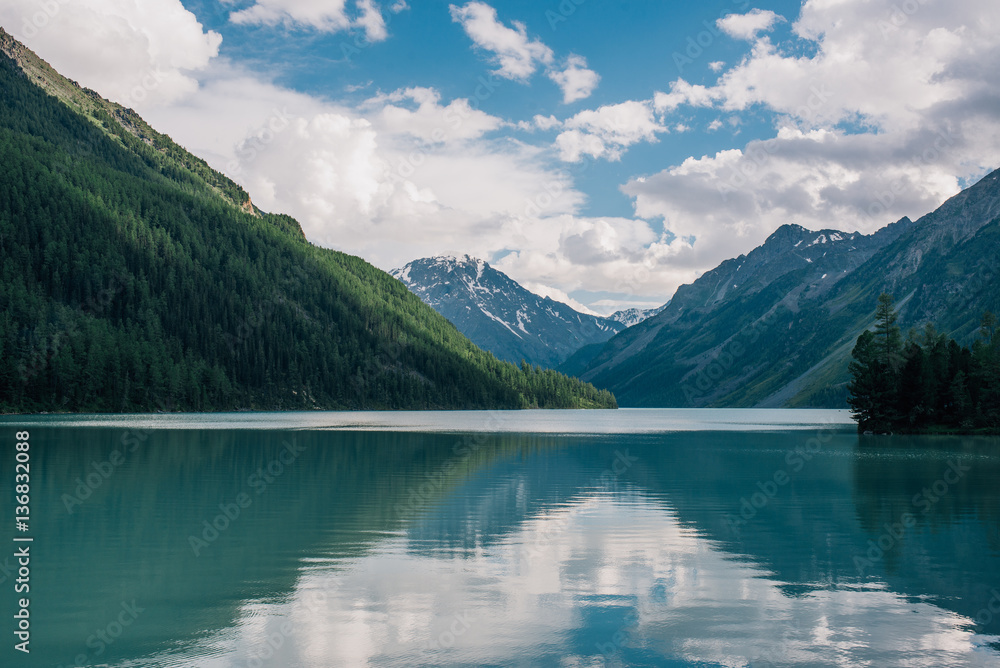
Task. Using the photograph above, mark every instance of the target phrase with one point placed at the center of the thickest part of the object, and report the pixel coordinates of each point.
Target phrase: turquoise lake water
(732, 538)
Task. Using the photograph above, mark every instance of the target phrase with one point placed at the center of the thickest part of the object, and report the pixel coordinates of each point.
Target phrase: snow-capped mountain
(633, 316)
(502, 316)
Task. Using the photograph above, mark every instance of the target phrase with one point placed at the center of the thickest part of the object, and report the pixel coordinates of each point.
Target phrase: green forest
(927, 382)
(135, 278)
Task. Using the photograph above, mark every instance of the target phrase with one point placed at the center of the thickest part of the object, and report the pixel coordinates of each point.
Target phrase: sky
(601, 152)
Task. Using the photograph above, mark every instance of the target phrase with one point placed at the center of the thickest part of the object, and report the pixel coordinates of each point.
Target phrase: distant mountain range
(500, 315)
(776, 327)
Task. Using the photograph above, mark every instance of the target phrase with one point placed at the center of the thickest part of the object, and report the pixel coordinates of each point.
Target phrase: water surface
(633, 538)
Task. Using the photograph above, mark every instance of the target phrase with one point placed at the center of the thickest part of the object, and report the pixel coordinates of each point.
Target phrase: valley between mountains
(772, 328)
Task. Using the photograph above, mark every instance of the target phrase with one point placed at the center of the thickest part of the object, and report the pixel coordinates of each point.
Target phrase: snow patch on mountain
(502, 316)
(633, 316)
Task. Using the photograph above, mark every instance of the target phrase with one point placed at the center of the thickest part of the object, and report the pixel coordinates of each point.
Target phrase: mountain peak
(501, 315)
(454, 259)
(787, 231)
(633, 316)
(790, 236)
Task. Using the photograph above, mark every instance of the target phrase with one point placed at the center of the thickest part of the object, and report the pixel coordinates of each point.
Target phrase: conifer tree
(931, 383)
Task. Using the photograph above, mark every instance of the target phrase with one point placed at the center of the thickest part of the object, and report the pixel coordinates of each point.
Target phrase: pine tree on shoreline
(927, 382)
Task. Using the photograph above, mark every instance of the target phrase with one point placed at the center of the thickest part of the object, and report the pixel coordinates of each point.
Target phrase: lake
(737, 538)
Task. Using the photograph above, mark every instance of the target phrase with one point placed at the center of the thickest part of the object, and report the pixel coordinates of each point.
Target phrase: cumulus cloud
(324, 15)
(681, 92)
(747, 26)
(540, 122)
(371, 21)
(722, 205)
(867, 68)
(576, 81)
(871, 65)
(361, 183)
(356, 184)
(607, 131)
(608, 254)
(430, 121)
(518, 56)
(382, 181)
(879, 119)
(136, 54)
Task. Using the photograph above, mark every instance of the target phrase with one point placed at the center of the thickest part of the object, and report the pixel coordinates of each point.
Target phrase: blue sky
(427, 48)
(601, 153)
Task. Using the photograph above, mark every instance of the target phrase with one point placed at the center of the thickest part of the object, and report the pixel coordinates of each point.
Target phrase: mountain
(633, 316)
(133, 277)
(776, 327)
(501, 316)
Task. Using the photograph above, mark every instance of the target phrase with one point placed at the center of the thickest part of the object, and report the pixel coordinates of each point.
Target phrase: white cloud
(714, 125)
(681, 92)
(370, 19)
(324, 15)
(430, 121)
(138, 54)
(730, 202)
(543, 123)
(574, 144)
(716, 66)
(576, 81)
(398, 6)
(608, 254)
(866, 68)
(607, 131)
(747, 26)
(517, 56)
(354, 88)
(328, 15)
(374, 185)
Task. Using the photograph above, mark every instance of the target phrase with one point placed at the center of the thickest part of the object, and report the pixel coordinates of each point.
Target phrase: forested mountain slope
(134, 277)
